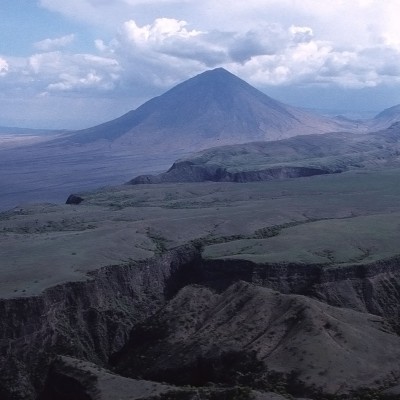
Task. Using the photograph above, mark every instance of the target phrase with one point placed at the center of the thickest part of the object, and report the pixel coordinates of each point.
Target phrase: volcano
(213, 108)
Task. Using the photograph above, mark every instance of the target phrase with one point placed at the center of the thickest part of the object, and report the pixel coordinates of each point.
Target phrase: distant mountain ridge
(385, 118)
(213, 108)
(290, 158)
(29, 131)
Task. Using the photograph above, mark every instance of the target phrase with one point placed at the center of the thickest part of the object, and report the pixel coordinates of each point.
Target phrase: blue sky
(23, 23)
(72, 64)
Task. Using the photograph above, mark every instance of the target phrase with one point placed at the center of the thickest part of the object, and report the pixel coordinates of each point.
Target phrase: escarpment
(93, 320)
(187, 171)
(88, 320)
(373, 287)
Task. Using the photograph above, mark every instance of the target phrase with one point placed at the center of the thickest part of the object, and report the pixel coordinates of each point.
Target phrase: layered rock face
(293, 329)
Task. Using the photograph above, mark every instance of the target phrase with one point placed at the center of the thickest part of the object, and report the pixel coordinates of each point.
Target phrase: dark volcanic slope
(290, 158)
(215, 107)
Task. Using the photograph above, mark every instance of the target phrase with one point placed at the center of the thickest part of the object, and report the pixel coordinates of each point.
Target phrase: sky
(73, 64)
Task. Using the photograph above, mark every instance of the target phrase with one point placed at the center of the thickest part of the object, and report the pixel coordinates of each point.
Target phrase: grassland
(352, 217)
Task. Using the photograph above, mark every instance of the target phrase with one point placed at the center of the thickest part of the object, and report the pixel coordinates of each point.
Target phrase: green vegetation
(334, 241)
(159, 241)
(351, 217)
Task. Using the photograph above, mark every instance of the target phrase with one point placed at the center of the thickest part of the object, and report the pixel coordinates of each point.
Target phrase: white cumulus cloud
(159, 31)
(139, 52)
(56, 43)
(269, 54)
(273, 42)
(64, 72)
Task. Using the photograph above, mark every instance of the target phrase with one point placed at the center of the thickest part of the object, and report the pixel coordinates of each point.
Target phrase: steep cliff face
(137, 307)
(88, 320)
(372, 288)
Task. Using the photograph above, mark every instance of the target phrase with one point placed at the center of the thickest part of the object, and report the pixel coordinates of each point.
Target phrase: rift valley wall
(91, 320)
(186, 171)
(373, 288)
(88, 320)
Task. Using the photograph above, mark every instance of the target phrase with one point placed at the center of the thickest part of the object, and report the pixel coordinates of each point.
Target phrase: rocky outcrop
(187, 171)
(74, 199)
(89, 320)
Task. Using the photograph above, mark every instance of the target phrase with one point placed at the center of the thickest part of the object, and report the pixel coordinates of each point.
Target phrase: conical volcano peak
(218, 79)
(222, 93)
(213, 108)
(216, 76)
(218, 72)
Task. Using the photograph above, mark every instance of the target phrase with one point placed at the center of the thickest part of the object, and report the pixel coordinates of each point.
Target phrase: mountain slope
(215, 107)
